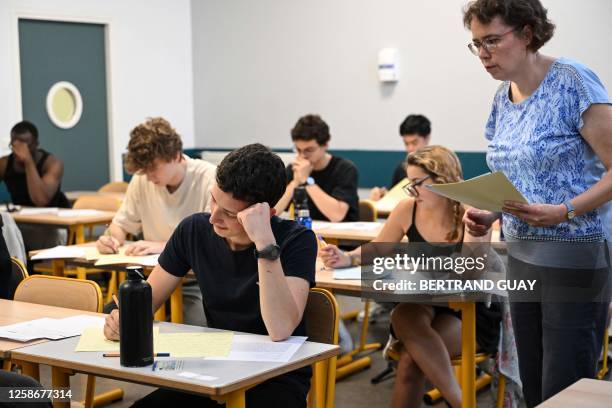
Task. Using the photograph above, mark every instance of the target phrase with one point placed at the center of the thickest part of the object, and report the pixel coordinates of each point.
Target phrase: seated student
(254, 270)
(415, 131)
(33, 178)
(10, 380)
(330, 181)
(429, 335)
(167, 186)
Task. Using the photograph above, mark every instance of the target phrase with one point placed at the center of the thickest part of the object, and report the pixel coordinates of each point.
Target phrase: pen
(114, 354)
(321, 240)
(108, 234)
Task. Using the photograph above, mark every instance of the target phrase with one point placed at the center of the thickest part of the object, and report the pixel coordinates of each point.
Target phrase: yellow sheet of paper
(194, 344)
(92, 339)
(486, 192)
(392, 198)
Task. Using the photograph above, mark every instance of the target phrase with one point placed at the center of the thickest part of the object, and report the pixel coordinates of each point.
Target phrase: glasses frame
(410, 189)
(489, 43)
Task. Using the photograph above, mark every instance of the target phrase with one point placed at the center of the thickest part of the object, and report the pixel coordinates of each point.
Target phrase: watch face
(271, 252)
(310, 181)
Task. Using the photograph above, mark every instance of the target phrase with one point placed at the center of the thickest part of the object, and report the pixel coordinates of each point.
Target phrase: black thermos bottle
(135, 320)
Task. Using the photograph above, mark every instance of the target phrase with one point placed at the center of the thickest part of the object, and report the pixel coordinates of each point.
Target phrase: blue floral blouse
(537, 144)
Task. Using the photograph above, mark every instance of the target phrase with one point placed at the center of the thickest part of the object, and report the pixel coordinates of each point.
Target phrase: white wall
(258, 66)
(150, 62)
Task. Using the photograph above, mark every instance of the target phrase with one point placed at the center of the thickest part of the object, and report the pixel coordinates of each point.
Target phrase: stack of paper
(78, 213)
(61, 252)
(91, 253)
(39, 211)
(47, 328)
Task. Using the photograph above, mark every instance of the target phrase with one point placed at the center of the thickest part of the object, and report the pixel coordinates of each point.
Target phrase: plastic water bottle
(135, 320)
(304, 218)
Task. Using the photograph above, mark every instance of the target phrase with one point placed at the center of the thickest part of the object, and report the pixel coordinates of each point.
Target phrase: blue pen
(154, 365)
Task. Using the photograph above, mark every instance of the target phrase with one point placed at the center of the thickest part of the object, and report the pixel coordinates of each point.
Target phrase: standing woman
(550, 133)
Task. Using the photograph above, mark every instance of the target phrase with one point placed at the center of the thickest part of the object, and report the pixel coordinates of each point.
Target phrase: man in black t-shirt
(329, 181)
(254, 270)
(415, 131)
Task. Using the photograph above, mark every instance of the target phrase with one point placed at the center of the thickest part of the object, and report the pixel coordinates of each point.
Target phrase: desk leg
(79, 234)
(58, 266)
(60, 378)
(468, 353)
(235, 399)
(176, 305)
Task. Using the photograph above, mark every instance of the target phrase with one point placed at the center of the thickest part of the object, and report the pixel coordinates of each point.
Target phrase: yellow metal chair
(604, 366)
(322, 319)
(70, 293)
(18, 273)
(114, 187)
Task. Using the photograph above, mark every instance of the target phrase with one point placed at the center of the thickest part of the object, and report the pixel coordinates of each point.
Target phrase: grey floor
(353, 392)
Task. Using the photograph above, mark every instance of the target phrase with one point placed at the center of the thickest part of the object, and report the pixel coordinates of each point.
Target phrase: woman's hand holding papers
(478, 222)
(333, 257)
(538, 215)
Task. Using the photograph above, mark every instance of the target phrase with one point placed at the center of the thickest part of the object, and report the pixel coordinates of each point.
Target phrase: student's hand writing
(301, 170)
(333, 257)
(111, 325)
(107, 245)
(145, 248)
(478, 222)
(377, 193)
(256, 223)
(538, 215)
(21, 151)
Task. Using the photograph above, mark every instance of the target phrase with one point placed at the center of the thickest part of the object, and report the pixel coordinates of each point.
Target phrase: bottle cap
(135, 272)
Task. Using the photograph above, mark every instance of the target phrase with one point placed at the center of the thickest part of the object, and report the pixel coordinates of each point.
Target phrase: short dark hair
(415, 124)
(311, 127)
(515, 13)
(25, 127)
(254, 174)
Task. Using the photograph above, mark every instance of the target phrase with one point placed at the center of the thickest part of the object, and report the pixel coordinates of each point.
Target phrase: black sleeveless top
(17, 185)
(487, 318)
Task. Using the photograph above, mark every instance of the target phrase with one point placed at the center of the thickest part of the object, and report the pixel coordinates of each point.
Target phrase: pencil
(108, 234)
(116, 300)
(321, 240)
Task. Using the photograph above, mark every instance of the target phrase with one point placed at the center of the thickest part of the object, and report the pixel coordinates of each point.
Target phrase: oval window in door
(64, 105)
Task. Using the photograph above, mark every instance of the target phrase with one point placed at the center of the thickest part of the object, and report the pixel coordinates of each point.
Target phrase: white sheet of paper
(249, 347)
(47, 328)
(61, 252)
(347, 273)
(39, 211)
(346, 226)
(486, 192)
(78, 213)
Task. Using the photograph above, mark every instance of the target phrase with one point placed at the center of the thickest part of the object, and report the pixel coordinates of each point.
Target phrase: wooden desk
(74, 224)
(583, 393)
(12, 312)
(334, 232)
(75, 195)
(324, 279)
(233, 377)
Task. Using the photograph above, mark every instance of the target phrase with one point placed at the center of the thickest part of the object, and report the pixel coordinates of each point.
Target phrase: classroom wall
(149, 62)
(258, 67)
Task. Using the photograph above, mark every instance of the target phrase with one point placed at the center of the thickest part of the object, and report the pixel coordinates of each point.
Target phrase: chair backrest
(102, 203)
(367, 211)
(114, 187)
(322, 316)
(79, 294)
(19, 272)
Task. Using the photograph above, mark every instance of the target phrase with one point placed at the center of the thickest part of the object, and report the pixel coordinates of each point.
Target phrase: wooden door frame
(107, 22)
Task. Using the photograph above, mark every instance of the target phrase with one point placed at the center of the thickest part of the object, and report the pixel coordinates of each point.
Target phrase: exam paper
(485, 192)
(78, 213)
(120, 258)
(61, 252)
(347, 273)
(392, 198)
(346, 226)
(39, 211)
(199, 344)
(248, 347)
(47, 328)
(92, 339)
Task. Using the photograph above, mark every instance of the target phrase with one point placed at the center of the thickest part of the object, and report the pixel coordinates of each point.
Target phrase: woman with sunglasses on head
(550, 133)
(430, 336)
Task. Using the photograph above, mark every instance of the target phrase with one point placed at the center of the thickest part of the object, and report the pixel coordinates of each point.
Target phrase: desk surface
(350, 231)
(15, 312)
(75, 195)
(586, 393)
(50, 219)
(230, 375)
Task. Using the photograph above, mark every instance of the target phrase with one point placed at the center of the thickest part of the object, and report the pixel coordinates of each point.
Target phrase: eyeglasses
(489, 44)
(410, 187)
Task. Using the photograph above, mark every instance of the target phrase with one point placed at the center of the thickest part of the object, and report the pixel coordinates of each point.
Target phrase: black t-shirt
(398, 174)
(339, 180)
(229, 279)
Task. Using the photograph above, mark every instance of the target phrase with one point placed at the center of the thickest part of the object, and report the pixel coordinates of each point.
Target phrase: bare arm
(335, 210)
(285, 200)
(42, 189)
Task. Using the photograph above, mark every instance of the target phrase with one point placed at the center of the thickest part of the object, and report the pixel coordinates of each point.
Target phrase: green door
(54, 51)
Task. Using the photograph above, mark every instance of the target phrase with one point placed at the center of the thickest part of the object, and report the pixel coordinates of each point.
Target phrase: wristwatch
(571, 211)
(309, 181)
(271, 252)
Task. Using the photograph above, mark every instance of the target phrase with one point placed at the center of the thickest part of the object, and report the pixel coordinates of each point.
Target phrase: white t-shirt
(156, 212)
